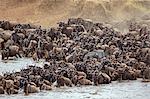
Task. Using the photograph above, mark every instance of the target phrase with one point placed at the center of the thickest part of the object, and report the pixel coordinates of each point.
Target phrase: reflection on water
(115, 90)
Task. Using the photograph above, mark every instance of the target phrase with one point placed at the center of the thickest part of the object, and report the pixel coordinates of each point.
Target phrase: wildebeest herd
(78, 52)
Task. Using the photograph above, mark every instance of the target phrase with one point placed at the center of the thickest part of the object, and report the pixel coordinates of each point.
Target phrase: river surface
(115, 90)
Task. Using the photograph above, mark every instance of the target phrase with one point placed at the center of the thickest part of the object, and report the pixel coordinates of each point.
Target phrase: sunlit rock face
(48, 12)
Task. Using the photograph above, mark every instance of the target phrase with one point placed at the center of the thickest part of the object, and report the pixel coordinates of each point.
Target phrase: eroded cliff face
(48, 12)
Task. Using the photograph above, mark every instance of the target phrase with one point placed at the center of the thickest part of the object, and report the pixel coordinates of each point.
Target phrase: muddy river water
(115, 90)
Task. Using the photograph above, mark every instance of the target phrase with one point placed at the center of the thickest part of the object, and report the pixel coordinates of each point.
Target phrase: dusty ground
(49, 12)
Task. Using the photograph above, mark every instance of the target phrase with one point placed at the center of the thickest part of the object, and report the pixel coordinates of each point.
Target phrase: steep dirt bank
(48, 12)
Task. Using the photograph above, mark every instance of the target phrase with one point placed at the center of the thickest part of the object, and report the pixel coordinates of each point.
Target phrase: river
(115, 90)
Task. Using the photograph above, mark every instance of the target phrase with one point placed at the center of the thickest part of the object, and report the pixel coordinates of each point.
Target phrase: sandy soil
(49, 12)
